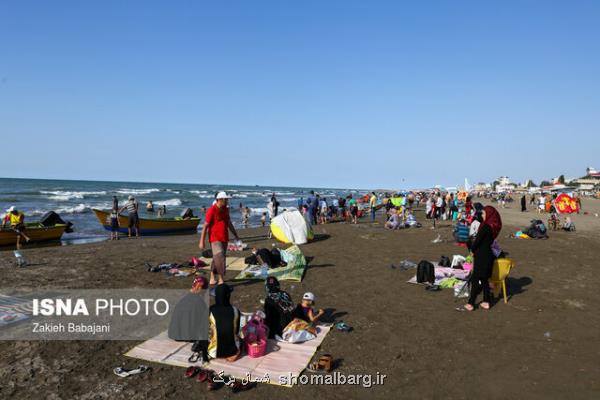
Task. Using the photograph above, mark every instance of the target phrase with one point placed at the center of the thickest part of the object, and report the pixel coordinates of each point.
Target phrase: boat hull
(36, 232)
(159, 226)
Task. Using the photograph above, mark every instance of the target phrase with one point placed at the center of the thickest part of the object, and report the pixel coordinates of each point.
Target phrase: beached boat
(35, 231)
(155, 226)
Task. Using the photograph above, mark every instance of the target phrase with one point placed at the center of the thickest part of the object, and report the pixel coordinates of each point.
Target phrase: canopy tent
(291, 227)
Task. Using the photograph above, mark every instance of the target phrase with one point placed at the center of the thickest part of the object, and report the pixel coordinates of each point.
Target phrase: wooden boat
(35, 231)
(156, 226)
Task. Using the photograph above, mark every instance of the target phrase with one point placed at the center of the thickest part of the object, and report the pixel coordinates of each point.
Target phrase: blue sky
(313, 93)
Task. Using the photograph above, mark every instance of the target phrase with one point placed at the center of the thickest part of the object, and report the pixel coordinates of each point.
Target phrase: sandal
(238, 386)
(485, 306)
(202, 375)
(315, 368)
(194, 358)
(343, 327)
(124, 373)
(211, 384)
(190, 372)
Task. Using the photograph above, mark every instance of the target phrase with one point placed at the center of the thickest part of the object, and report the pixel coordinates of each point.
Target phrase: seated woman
(224, 326)
(279, 307)
(394, 220)
(411, 220)
(150, 206)
(569, 226)
(189, 320)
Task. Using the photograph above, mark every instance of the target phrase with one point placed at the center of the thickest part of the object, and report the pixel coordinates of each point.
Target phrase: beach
(542, 344)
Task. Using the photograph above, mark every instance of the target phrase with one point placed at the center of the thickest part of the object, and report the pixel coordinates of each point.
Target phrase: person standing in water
(217, 225)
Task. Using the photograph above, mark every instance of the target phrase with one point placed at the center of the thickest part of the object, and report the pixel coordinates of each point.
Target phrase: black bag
(425, 272)
(445, 262)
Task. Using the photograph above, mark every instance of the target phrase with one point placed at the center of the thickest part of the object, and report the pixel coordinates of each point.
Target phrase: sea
(74, 200)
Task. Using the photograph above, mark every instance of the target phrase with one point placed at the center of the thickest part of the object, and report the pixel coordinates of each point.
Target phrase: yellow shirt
(15, 219)
(373, 201)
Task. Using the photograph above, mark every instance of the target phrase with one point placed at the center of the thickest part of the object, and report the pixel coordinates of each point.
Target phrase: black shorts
(133, 220)
(354, 211)
(19, 228)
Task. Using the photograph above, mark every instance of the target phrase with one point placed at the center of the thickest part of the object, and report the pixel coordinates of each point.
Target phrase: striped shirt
(132, 206)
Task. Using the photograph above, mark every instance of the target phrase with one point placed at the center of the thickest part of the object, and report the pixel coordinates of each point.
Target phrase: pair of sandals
(469, 307)
(201, 374)
(343, 327)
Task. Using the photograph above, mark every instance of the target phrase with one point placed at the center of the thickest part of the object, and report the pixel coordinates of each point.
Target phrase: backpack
(425, 272)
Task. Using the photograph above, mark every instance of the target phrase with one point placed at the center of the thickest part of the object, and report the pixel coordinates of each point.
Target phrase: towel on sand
(293, 271)
(282, 361)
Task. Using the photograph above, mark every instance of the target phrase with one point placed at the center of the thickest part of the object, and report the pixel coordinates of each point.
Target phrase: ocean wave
(77, 209)
(61, 195)
(258, 210)
(198, 191)
(137, 191)
(170, 202)
(206, 196)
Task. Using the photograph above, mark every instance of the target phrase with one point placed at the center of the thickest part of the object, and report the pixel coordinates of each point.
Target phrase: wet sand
(544, 343)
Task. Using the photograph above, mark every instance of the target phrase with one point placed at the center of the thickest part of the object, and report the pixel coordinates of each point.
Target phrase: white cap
(11, 209)
(308, 296)
(222, 195)
(131, 197)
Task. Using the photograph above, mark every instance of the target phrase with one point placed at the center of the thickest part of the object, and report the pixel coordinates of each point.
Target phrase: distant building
(505, 185)
(592, 172)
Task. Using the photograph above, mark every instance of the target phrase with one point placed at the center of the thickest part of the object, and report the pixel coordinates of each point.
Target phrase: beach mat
(282, 361)
(14, 309)
(231, 263)
(293, 271)
(442, 273)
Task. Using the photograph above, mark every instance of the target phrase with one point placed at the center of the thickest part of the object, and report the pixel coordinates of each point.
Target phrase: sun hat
(308, 296)
(222, 195)
(11, 209)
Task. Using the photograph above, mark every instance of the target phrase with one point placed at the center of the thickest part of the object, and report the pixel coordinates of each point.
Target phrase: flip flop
(191, 371)
(316, 368)
(124, 373)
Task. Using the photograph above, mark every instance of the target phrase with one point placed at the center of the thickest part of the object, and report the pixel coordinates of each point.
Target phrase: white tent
(291, 227)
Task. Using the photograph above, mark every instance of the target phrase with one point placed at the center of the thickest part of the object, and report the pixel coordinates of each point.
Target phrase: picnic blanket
(231, 263)
(293, 271)
(14, 309)
(282, 361)
(444, 273)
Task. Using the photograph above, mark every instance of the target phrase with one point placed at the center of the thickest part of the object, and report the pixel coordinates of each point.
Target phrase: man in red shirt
(217, 223)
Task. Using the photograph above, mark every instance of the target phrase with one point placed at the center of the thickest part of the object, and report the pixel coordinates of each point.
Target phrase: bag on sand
(425, 272)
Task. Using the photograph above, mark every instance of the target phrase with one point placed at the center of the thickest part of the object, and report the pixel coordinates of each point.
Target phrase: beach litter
(21, 262)
(438, 239)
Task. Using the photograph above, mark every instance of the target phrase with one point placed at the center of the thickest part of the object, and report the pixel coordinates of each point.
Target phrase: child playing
(113, 220)
(263, 219)
(305, 309)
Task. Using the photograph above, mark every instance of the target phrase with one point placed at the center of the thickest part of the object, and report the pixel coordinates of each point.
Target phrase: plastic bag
(458, 261)
(298, 331)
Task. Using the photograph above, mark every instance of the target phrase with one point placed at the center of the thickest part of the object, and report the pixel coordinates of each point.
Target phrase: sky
(382, 94)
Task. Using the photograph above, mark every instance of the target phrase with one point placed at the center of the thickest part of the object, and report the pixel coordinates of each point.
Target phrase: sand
(544, 343)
